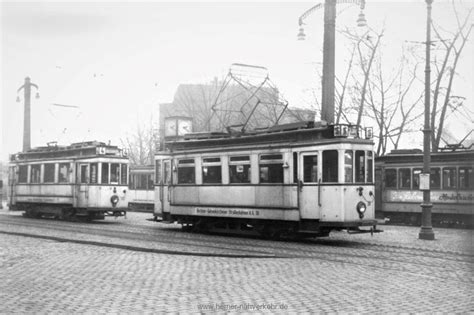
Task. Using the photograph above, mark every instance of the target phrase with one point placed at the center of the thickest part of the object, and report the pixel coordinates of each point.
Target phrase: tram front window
(330, 162)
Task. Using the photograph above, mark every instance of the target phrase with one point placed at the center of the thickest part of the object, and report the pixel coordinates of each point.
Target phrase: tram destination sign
(226, 212)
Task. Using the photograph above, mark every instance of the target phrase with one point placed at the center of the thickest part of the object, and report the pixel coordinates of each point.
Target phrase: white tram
(295, 179)
(85, 180)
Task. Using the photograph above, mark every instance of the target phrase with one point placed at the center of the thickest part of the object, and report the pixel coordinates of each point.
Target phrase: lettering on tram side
(227, 212)
(456, 197)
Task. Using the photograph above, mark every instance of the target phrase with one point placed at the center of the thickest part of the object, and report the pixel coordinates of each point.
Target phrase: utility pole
(27, 114)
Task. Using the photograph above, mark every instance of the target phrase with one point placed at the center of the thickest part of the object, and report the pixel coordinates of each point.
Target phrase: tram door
(82, 181)
(309, 188)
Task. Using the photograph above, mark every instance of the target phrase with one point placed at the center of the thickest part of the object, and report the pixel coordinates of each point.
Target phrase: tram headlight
(361, 207)
(114, 200)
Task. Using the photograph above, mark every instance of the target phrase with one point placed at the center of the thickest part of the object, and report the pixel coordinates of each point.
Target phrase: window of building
(391, 178)
(123, 174)
(348, 170)
(94, 169)
(105, 173)
(271, 168)
(404, 178)
(310, 168)
(359, 166)
(186, 171)
(114, 173)
(330, 169)
(211, 171)
(466, 178)
(49, 172)
(63, 172)
(416, 177)
(449, 178)
(23, 174)
(239, 169)
(35, 173)
(370, 167)
(435, 178)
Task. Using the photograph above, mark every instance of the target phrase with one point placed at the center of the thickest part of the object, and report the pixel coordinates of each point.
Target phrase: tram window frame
(370, 167)
(114, 173)
(123, 174)
(348, 166)
(359, 166)
(416, 177)
(449, 173)
(468, 179)
(435, 178)
(94, 173)
(105, 173)
(64, 168)
(23, 174)
(211, 170)
(403, 181)
(330, 166)
(35, 174)
(390, 178)
(271, 168)
(186, 171)
(310, 169)
(49, 169)
(240, 169)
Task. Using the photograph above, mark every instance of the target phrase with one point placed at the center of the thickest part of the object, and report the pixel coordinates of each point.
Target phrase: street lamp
(329, 49)
(27, 115)
(426, 231)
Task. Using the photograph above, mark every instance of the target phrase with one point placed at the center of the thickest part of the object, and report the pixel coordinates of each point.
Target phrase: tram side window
(310, 168)
(239, 169)
(348, 161)
(416, 177)
(449, 178)
(49, 172)
(391, 178)
(370, 167)
(23, 174)
(186, 172)
(435, 178)
(466, 178)
(271, 168)
(105, 173)
(63, 175)
(330, 161)
(123, 174)
(114, 173)
(158, 171)
(93, 173)
(35, 173)
(404, 178)
(211, 171)
(360, 166)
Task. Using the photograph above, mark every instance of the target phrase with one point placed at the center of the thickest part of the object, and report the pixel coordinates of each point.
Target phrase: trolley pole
(426, 232)
(27, 115)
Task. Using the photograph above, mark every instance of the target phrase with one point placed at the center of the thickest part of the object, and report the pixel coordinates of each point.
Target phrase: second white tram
(294, 179)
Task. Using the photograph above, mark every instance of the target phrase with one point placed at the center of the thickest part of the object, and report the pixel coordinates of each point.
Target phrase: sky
(112, 62)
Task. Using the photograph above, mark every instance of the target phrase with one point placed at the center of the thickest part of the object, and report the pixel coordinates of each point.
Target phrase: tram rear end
(300, 180)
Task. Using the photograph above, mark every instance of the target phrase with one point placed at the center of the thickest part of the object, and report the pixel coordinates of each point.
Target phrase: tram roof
(288, 134)
(75, 150)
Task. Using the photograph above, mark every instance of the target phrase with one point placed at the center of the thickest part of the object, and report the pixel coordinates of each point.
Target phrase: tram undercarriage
(65, 212)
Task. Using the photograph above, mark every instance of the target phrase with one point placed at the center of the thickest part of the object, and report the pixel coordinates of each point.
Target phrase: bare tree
(443, 100)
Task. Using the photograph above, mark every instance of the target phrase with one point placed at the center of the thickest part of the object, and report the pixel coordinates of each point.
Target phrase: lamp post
(426, 232)
(329, 51)
(27, 114)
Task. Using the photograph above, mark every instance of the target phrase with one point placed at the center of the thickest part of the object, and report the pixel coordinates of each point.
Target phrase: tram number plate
(227, 212)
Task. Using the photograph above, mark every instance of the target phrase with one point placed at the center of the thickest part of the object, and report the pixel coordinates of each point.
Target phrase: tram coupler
(359, 231)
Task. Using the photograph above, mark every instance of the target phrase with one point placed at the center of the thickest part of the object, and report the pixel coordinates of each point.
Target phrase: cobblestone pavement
(390, 272)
